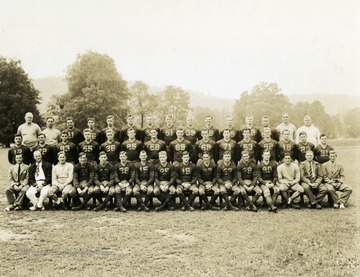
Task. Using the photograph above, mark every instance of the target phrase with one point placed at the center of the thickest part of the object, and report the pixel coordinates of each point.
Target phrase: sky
(219, 48)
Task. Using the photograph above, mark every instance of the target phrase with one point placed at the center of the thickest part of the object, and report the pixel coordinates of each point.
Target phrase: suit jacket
(333, 172)
(46, 167)
(306, 175)
(14, 177)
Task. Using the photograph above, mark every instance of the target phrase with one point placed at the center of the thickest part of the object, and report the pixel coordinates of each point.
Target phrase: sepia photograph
(180, 138)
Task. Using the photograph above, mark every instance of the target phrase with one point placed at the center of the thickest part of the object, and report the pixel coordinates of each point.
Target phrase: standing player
(111, 148)
(247, 178)
(249, 145)
(288, 179)
(83, 181)
(254, 131)
(186, 181)
(334, 181)
(205, 145)
(178, 146)
(265, 123)
(124, 181)
(168, 133)
(144, 179)
(149, 125)
(191, 134)
(302, 147)
(311, 180)
(39, 181)
(208, 182)
(165, 177)
(227, 179)
(313, 133)
(74, 134)
(154, 146)
(267, 178)
(110, 121)
(29, 131)
(52, 134)
(322, 151)
(68, 148)
(132, 146)
(19, 148)
(130, 120)
(62, 178)
(47, 151)
(95, 134)
(234, 133)
(285, 125)
(90, 148)
(213, 132)
(18, 184)
(286, 145)
(268, 144)
(226, 145)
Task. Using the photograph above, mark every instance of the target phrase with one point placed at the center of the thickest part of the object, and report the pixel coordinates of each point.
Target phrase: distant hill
(333, 103)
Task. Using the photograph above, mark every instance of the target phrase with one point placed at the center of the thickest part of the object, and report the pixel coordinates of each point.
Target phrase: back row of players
(173, 140)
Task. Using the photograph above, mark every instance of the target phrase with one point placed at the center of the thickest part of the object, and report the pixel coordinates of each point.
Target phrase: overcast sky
(220, 48)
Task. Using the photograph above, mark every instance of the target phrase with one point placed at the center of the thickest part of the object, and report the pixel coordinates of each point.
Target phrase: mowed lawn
(211, 243)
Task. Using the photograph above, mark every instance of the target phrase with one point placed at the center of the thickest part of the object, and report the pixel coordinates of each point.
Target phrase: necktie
(37, 170)
(312, 171)
(19, 173)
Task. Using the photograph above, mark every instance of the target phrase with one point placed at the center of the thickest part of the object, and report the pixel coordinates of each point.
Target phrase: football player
(268, 144)
(19, 148)
(249, 145)
(234, 133)
(90, 148)
(74, 134)
(254, 131)
(95, 134)
(68, 148)
(149, 121)
(110, 121)
(178, 146)
(205, 145)
(265, 123)
(213, 132)
(191, 134)
(132, 146)
(111, 148)
(168, 133)
(322, 151)
(286, 145)
(226, 144)
(47, 151)
(154, 146)
(302, 147)
(130, 120)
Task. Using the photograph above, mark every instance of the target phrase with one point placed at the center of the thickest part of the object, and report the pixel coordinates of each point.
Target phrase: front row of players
(236, 186)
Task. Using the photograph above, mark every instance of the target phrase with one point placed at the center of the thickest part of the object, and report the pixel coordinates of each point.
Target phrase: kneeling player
(226, 178)
(207, 181)
(144, 178)
(248, 180)
(165, 177)
(267, 178)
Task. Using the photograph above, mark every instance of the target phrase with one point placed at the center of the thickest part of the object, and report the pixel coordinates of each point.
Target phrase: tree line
(96, 89)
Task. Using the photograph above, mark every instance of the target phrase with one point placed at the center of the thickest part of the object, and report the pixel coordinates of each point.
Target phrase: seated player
(111, 148)
(18, 184)
(205, 145)
(288, 180)
(68, 148)
(207, 182)
(186, 181)
(132, 146)
(104, 179)
(19, 148)
(154, 146)
(90, 148)
(311, 180)
(47, 151)
(39, 181)
(267, 178)
(302, 147)
(249, 145)
(190, 133)
(322, 151)
(83, 181)
(269, 144)
(168, 133)
(165, 177)
(62, 178)
(124, 181)
(286, 145)
(178, 146)
(226, 145)
(334, 181)
(227, 180)
(144, 181)
(247, 179)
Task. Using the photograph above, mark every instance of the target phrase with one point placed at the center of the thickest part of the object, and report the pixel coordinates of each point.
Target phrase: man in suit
(334, 181)
(19, 184)
(311, 180)
(39, 181)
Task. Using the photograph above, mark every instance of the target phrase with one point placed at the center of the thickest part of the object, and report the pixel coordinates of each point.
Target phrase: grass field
(211, 243)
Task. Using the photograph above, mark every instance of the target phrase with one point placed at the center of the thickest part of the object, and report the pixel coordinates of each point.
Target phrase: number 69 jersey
(178, 147)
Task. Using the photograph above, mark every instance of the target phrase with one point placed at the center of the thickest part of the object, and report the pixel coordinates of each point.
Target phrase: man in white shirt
(52, 134)
(313, 133)
(285, 125)
(29, 131)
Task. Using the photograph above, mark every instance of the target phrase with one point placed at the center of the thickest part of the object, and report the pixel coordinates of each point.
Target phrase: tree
(141, 101)
(264, 99)
(95, 89)
(17, 96)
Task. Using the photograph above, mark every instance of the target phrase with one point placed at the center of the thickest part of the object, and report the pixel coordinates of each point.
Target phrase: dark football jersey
(254, 133)
(186, 173)
(48, 153)
(145, 133)
(223, 146)
(234, 134)
(246, 171)
(144, 172)
(104, 173)
(91, 150)
(202, 146)
(124, 136)
(124, 172)
(226, 172)
(191, 134)
(96, 135)
(207, 173)
(165, 173)
(213, 133)
(322, 153)
(267, 172)
(103, 137)
(287, 147)
(153, 148)
(272, 146)
(22, 150)
(75, 135)
(176, 149)
(250, 146)
(112, 150)
(167, 134)
(132, 148)
(301, 149)
(70, 150)
(83, 173)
